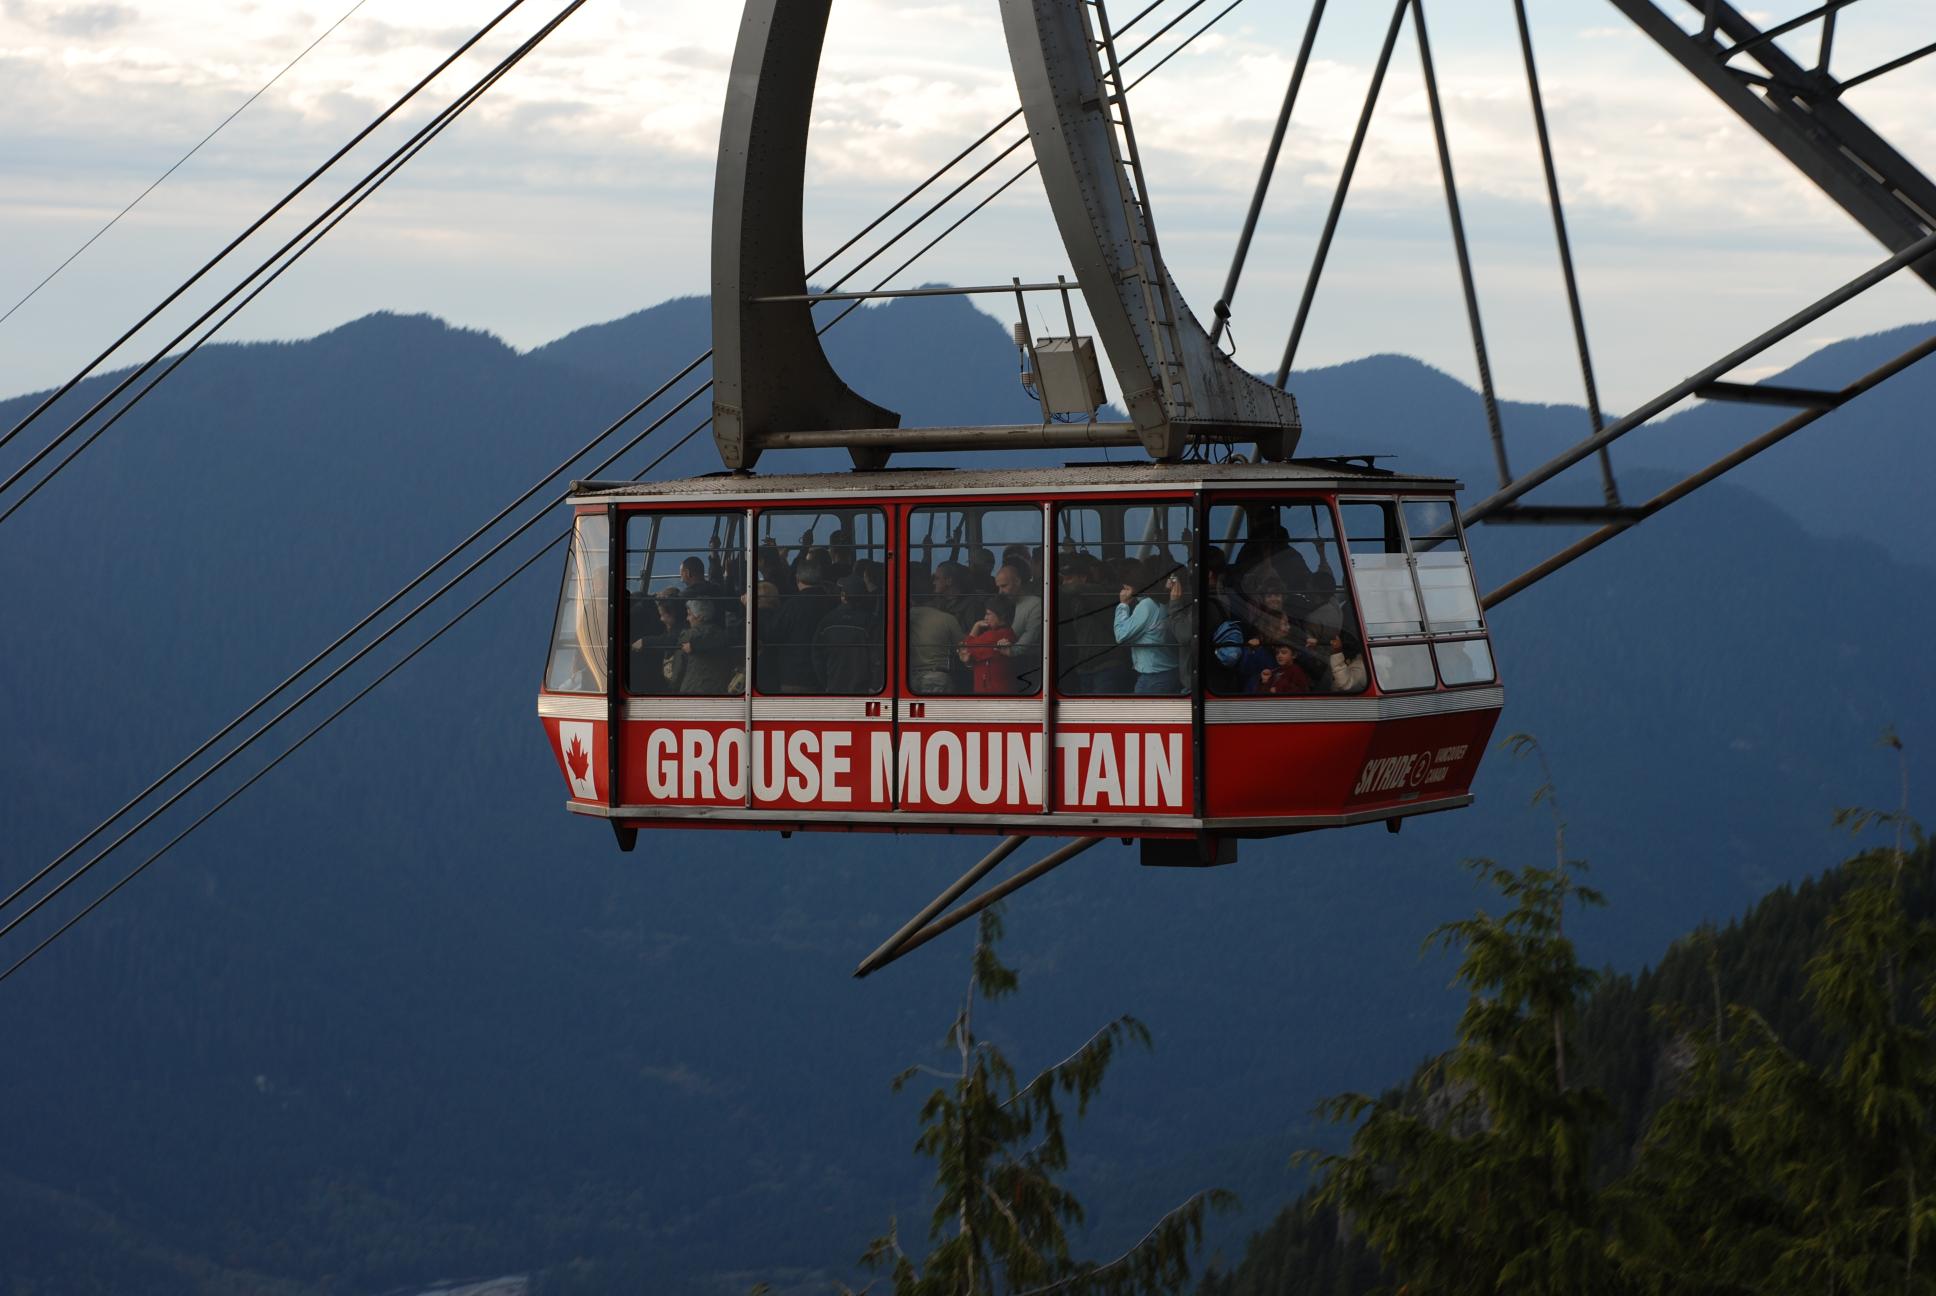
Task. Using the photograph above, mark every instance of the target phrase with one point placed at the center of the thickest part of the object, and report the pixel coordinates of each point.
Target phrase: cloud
(81, 21)
(610, 129)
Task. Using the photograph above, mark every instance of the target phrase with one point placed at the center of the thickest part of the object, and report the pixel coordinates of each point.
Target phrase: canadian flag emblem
(575, 747)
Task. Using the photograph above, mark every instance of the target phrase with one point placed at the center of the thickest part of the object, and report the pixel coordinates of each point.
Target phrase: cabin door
(972, 710)
(1125, 655)
(821, 709)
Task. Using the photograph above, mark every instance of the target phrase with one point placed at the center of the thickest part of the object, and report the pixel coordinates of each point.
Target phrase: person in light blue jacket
(1144, 628)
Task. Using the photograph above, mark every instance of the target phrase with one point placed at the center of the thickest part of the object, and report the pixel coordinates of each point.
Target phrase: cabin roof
(1313, 474)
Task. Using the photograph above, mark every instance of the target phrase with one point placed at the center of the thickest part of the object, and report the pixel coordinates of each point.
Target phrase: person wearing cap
(847, 644)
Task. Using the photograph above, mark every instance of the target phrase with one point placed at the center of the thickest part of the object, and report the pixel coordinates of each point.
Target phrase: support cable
(1608, 486)
(261, 220)
(1337, 200)
(1222, 309)
(430, 131)
(435, 128)
(309, 693)
(115, 219)
(1486, 391)
(372, 179)
(392, 629)
(333, 716)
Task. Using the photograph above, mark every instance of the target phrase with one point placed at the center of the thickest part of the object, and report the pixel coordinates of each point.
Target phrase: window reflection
(685, 577)
(1277, 606)
(579, 632)
(819, 602)
(1126, 617)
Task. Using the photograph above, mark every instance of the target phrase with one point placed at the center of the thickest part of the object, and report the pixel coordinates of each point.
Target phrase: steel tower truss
(1798, 110)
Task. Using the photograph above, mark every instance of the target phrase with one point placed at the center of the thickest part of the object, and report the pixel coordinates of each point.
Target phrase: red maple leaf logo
(579, 760)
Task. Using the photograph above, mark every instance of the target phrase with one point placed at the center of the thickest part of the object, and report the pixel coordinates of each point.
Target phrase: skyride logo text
(1397, 773)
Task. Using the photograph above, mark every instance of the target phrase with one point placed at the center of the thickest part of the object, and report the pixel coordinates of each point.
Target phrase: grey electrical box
(1071, 381)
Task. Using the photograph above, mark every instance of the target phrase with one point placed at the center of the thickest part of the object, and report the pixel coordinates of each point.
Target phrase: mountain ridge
(401, 1016)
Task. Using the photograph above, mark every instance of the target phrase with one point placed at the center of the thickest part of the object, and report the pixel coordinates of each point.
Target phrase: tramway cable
(315, 729)
(384, 635)
(369, 182)
(331, 218)
(178, 163)
(374, 180)
(259, 222)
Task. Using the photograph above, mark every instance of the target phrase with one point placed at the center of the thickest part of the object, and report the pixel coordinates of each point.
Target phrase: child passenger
(1284, 675)
(995, 671)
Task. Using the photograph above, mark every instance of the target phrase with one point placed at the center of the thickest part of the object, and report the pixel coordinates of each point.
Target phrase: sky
(579, 189)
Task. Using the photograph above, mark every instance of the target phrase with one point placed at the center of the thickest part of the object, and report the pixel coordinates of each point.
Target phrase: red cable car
(1178, 653)
(1182, 651)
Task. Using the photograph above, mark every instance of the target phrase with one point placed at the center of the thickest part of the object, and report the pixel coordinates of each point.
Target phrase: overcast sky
(579, 190)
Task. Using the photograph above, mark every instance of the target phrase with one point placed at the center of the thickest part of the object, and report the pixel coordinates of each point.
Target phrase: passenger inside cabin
(655, 622)
(934, 635)
(953, 595)
(1143, 628)
(1092, 663)
(981, 570)
(984, 649)
(1347, 663)
(1012, 582)
(847, 646)
(1180, 620)
(1283, 675)
(840, 554)
(771, 563)
(1017, 556)
(694, 582)
(709, 653)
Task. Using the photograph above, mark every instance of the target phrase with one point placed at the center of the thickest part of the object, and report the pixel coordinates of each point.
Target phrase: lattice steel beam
(1799, 110)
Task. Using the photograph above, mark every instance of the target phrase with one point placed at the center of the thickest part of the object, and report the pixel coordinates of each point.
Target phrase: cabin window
(1379, 567)
(1414, 582)
(974, 600)
(1445, 585)
(820, 577)
(1123, 599)
(579, 634)
(685, 581)
(1277, 608)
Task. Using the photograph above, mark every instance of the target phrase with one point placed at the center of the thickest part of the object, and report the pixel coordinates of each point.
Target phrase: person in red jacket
(995, 671)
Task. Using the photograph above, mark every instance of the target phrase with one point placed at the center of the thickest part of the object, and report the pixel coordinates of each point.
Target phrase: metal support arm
(925, 926)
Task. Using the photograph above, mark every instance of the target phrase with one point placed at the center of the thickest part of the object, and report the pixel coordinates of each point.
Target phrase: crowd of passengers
(1126, 625)
(1275, 624)
(817, 621)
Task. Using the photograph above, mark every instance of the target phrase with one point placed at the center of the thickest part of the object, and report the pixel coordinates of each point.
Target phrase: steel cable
(369, 180)
(180, 161)
(398, 625)
(260, 221)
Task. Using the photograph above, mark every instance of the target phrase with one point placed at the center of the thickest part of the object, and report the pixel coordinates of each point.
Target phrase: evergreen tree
(1001, 1217)
(1770, 1172)
(1478, 1178)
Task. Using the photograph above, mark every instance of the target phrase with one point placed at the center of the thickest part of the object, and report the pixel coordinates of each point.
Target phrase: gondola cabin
(1183, 653)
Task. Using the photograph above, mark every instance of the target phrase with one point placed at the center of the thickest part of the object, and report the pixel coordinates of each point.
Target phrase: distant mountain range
(394, 1016)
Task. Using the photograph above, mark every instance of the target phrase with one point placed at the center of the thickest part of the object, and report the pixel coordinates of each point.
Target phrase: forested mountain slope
(396, 1016)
